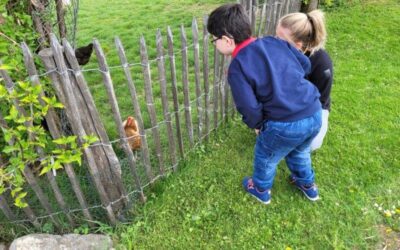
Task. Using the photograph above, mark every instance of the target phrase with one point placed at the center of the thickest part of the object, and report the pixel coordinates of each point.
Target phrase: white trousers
(317, 141)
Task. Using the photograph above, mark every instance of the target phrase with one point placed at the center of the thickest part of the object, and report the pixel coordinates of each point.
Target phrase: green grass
(357, 170)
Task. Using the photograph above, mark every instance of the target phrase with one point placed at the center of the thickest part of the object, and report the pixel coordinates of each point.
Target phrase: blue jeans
(289, 140)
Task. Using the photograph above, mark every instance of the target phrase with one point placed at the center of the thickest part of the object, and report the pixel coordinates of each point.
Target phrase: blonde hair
(306, 28)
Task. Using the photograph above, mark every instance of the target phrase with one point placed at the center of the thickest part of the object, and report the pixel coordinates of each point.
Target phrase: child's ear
(229, 41)
(299, 45)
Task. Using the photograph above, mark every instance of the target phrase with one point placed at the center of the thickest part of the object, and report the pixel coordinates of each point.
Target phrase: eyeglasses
(214, 40)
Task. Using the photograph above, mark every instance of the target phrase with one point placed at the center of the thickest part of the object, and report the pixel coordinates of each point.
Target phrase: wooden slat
(253, 11)
(196, 52)
(174, 90)
(215, 87)
(106, 160)
(269, 11)
(6, 209)
(226, 88)
(277, 15)
(112, 99)
(74, 117)
(262, 20)
(164, 98)
(136, 107)
(186, 91)
(32, 217)
(221, 86)
(46, 56)
(52, 121)
(206, 79)
(150, 103)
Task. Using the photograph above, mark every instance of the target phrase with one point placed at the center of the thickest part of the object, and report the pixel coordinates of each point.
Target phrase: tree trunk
(310, 6)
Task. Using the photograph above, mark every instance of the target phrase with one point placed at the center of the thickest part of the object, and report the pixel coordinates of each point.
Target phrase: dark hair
(230, 20)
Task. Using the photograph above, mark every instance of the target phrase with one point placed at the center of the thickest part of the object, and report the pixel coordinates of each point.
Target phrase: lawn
(203, 205)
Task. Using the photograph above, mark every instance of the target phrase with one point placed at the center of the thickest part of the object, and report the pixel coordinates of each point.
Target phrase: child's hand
(257, 131)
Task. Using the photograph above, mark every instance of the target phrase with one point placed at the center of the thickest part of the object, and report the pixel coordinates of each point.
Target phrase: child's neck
(242, 45)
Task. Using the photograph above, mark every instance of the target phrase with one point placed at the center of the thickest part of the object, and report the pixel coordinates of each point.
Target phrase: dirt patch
(390, 238)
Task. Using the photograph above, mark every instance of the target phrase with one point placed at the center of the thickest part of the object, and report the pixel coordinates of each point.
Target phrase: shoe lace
(250, 184)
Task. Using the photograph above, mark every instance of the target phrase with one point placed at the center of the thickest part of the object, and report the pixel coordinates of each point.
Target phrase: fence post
(262, 20)
(185, 81)
(75, 119)
(174, 90)
(51, 120)
(106, 161)
(136, 107)
(206, 78)
(215, 87)
(196, 52)
(164, 97)
(221, 85)
(150, 103)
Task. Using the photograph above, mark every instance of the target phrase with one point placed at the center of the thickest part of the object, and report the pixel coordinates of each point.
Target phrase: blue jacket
(267, 80)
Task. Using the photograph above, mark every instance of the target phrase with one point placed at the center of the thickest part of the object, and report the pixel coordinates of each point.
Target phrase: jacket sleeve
(245, 100)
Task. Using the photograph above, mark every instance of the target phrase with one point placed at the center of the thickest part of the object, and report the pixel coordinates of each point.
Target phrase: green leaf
(9, 149)
(45, 169)
(58, 105)
(13, 114)
(91, 138)
(3, 91)
(5, 67)
(15, 191)
(60, 141)
(46, 99)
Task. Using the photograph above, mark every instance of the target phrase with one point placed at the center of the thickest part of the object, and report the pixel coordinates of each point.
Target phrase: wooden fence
(189, 110)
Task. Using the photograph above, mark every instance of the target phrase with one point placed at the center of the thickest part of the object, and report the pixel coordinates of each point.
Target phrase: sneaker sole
(308, 197)
(263, 202)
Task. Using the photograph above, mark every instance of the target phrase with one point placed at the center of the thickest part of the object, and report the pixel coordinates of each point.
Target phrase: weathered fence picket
(174, 89)
(164, 98)
(52, 121)
(262, 20)
(150, 104)
(206, 79)
(185, 83)
(196, 55)
(215, 87)
(6, 209)
(75, 119)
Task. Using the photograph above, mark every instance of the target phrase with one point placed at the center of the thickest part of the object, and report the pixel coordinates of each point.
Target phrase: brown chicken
(83, 54)
(132, 132)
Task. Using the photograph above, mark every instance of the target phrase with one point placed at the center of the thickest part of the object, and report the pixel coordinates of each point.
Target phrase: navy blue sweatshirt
(267, 80)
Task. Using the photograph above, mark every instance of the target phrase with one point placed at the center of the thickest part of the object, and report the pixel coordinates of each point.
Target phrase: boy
(267, 80)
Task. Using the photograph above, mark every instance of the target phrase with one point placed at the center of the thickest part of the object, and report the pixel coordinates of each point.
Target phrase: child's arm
(245, 100)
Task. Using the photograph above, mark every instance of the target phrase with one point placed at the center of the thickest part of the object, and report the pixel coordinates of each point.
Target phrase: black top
(321, 76)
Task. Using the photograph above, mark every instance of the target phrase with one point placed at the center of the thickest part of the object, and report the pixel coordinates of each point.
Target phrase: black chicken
(82, 54)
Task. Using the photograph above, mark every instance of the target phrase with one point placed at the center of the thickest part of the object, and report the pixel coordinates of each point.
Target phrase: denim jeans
(289, 140)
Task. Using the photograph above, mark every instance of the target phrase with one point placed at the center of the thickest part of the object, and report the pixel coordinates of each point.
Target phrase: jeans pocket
(284, 141)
